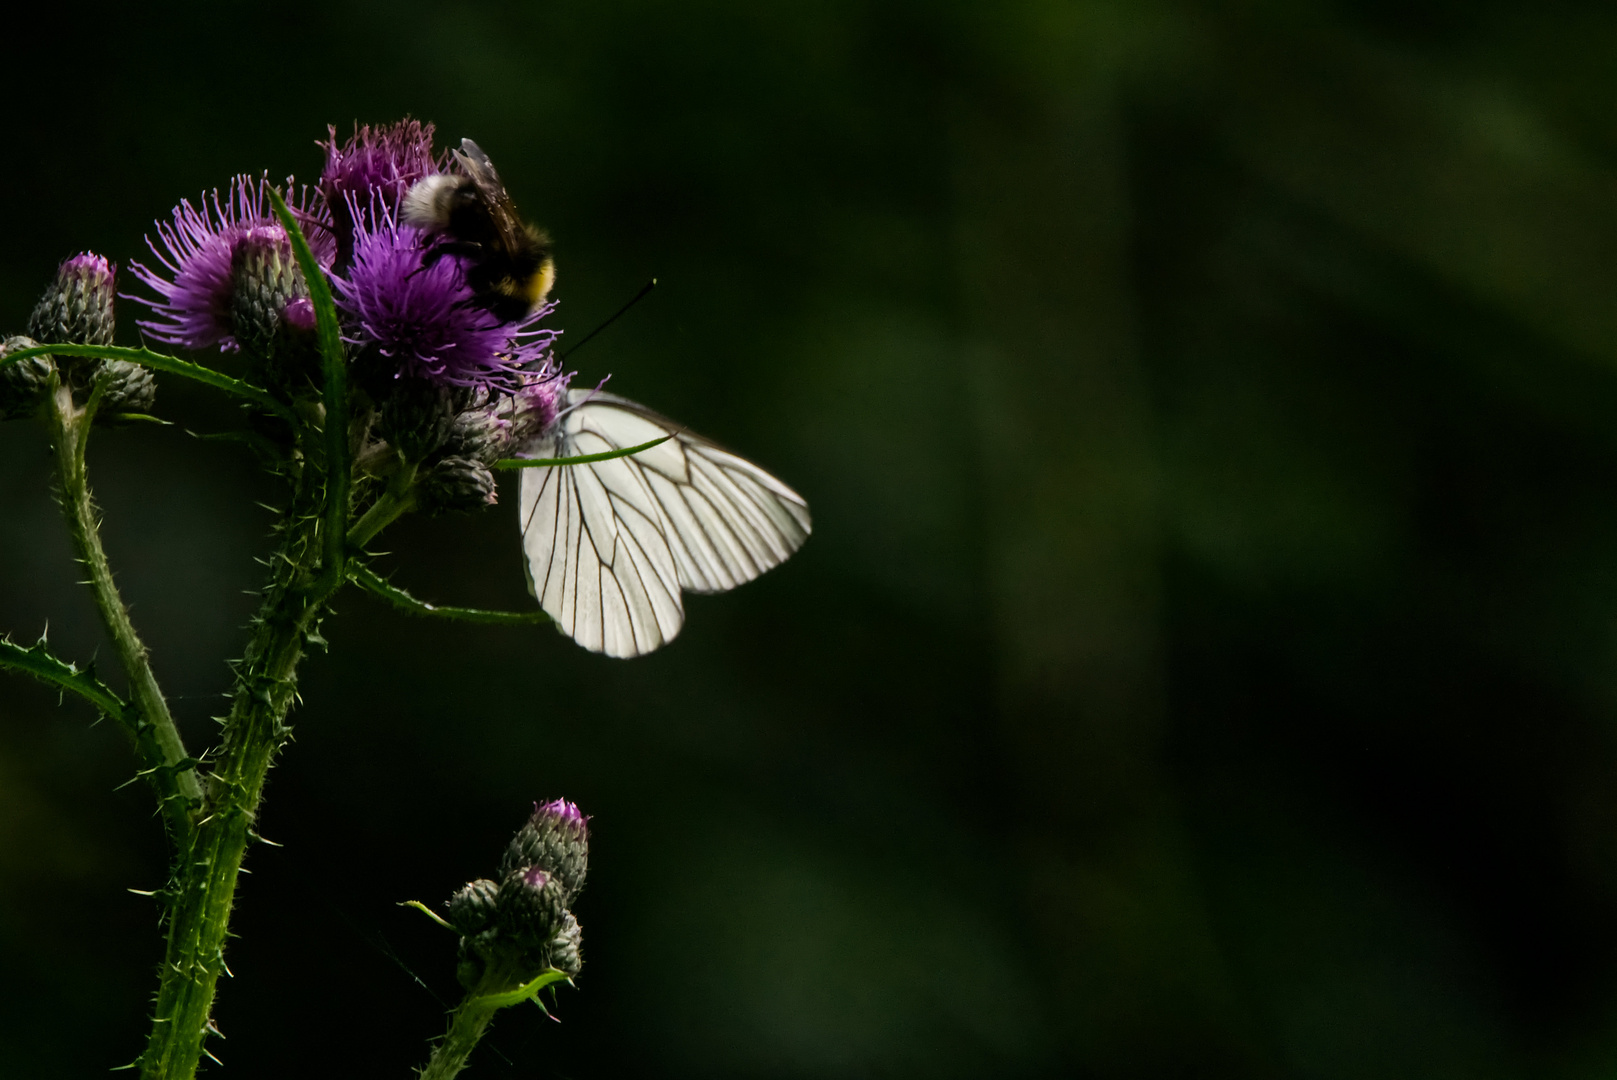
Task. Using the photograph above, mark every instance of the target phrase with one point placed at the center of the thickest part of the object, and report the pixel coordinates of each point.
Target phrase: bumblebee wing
(682, 515)
(501, 209)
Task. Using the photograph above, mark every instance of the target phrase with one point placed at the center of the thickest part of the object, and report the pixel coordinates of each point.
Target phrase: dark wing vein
(683, 515)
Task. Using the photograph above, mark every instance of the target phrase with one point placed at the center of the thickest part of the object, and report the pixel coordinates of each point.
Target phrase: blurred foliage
(1206, 657)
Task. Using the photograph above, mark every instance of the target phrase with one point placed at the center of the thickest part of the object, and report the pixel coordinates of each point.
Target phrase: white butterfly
(611, 544)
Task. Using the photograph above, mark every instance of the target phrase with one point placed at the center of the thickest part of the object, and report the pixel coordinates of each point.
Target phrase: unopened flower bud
(416, 416)
(471, 910)
(76, 309)
(531, 906)
(23, 383)
(530, 929)
(264, 284)
(564, 950)
(457, 483)
(555, 839)
(480, 434)
(129, 388)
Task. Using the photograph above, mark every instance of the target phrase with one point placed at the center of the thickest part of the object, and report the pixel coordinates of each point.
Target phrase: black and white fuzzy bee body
(508, 262)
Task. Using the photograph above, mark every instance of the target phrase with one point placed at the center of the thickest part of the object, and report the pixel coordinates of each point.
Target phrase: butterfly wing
(598, 561)
(611, 544)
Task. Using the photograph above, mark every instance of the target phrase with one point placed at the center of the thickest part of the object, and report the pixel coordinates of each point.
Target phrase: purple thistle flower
(199, 252)
(532, 410)
(88, 266)
(376, 162)
(421, 315)
(563, 814)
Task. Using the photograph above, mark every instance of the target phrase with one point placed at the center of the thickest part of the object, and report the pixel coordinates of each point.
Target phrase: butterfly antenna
(585, 340)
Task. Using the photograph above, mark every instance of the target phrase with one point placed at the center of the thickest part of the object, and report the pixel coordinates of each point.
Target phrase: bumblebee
(508, 261)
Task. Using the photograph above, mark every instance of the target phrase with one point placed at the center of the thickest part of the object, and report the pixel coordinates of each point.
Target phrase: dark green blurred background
(1205, 662)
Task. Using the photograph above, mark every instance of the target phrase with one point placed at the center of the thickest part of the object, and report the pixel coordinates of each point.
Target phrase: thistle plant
(375, 381)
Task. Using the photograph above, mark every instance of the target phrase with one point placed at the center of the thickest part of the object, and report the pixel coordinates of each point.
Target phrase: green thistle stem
(466, 1027)
(157, 741)
(254, 732)
(398, 499)
(494, 991)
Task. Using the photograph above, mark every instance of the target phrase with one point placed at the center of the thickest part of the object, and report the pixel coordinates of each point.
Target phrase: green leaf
(528, 991)
(368, 580)
(159, 362)
(134, 418)
(428, 912)
(38, 661)
(333, 391)
(585, 459)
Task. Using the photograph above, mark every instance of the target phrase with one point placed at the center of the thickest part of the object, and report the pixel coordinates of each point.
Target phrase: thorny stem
(254, 732)
(306, 570)
(497, 989)
(302, 584)
(149, 724)
(398, 499)
(466, 1027)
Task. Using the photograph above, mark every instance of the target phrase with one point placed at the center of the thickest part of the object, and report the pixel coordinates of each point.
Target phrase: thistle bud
(480, 434)
(516, 930)
(531, 906)
(555, 839)
(564, 950)
(457, 483)
(23, 383)
(271, 316)
(471, 910)
(76, 309)
(130, 388)
(416, 416)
